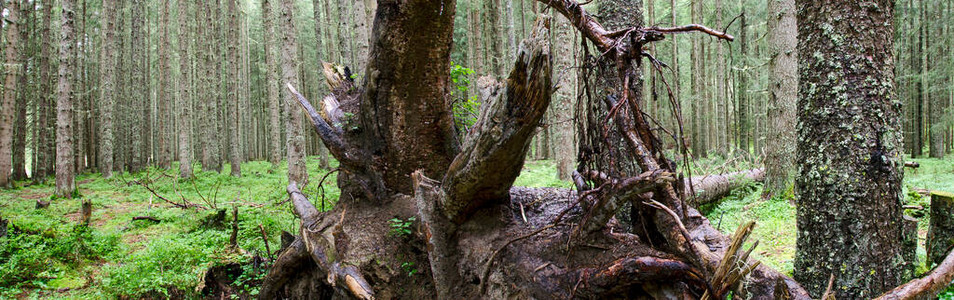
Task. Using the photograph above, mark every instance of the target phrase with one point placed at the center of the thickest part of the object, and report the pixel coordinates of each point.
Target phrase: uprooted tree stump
(479, 237)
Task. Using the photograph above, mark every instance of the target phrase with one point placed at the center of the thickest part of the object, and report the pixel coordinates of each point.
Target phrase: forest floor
(46, 255)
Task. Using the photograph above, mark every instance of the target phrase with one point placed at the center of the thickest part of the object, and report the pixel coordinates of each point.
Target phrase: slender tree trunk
(361, 38)
(272, 85)
(20, 128)
(184, 99)
(562, 110)
(783, 94)
(108, 87)
(849, 183)
(295, 142)
(344, 33)
(165, 90)
(65, 184)
(235, 150)
(8, 102)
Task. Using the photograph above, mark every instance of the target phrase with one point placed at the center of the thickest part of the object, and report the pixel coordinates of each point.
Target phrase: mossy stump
(909, 247)
(941, 233)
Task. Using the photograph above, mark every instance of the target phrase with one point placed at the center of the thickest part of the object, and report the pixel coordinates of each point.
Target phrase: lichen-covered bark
(940, 237)
(849, 149)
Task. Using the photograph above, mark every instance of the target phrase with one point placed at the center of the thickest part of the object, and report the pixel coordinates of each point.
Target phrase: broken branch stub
(493, 153)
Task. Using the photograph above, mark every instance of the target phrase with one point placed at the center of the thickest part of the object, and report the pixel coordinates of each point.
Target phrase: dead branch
(625, 272)
(316, 245)
(691, 28)
(926, 287)
(148, 218)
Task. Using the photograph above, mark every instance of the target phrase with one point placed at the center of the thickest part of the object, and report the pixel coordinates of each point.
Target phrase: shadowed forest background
(182, 136)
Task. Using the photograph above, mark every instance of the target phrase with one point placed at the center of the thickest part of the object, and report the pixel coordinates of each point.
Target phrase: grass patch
(48, 256)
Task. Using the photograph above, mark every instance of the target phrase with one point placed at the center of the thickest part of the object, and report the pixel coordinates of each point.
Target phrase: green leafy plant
(409, 268)
(401, 228)
(465, 108)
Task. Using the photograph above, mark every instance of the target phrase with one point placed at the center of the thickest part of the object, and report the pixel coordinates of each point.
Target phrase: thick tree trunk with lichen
(849, 149)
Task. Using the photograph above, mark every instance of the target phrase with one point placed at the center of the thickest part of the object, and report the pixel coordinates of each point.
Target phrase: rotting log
(711, 188)
(940, 238)
(926, 287)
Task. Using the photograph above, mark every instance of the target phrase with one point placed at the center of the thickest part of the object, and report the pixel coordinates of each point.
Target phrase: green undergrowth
(775, 218)
(47, 255)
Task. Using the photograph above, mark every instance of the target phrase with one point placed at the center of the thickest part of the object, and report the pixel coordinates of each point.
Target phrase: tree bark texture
(940, 239)
(8, 100)
(184, 98)
(272, 86)
(849, 145)
(107, 87)
(295, 139)
(783, 94)
(65, 181)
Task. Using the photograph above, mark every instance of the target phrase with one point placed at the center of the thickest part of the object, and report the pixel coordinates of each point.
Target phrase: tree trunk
(65, 184)
(562, 110)
(783, 94)
(713, 187)
(849, 183)
(295, 141)
(361, 38)
(44, 155)
(543, 252)
(107, 75)
(184, 99)
(272, 86)
(20, 128)
(234, 103)
(165, 89)
(8, 101)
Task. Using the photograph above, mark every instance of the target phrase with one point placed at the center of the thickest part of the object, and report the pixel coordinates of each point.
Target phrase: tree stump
(941, 233)
(909, 244)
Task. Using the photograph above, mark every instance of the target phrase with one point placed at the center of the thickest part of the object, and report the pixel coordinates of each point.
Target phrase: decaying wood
(940, 238)
(471, 211)
(912, 164)
(926, 287)
(493, 153)
(40, 204)
(86, 211)
(710, 188)
(317, 245)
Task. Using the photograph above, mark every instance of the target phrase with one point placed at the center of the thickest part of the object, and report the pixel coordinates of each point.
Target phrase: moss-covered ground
(47, 255)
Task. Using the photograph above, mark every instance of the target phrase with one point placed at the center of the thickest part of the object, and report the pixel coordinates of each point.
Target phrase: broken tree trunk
(477, 237)
(711, 188)
(940, 236)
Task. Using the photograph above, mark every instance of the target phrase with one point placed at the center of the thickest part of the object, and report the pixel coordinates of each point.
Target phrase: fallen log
(710, 188)
(926, 287)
